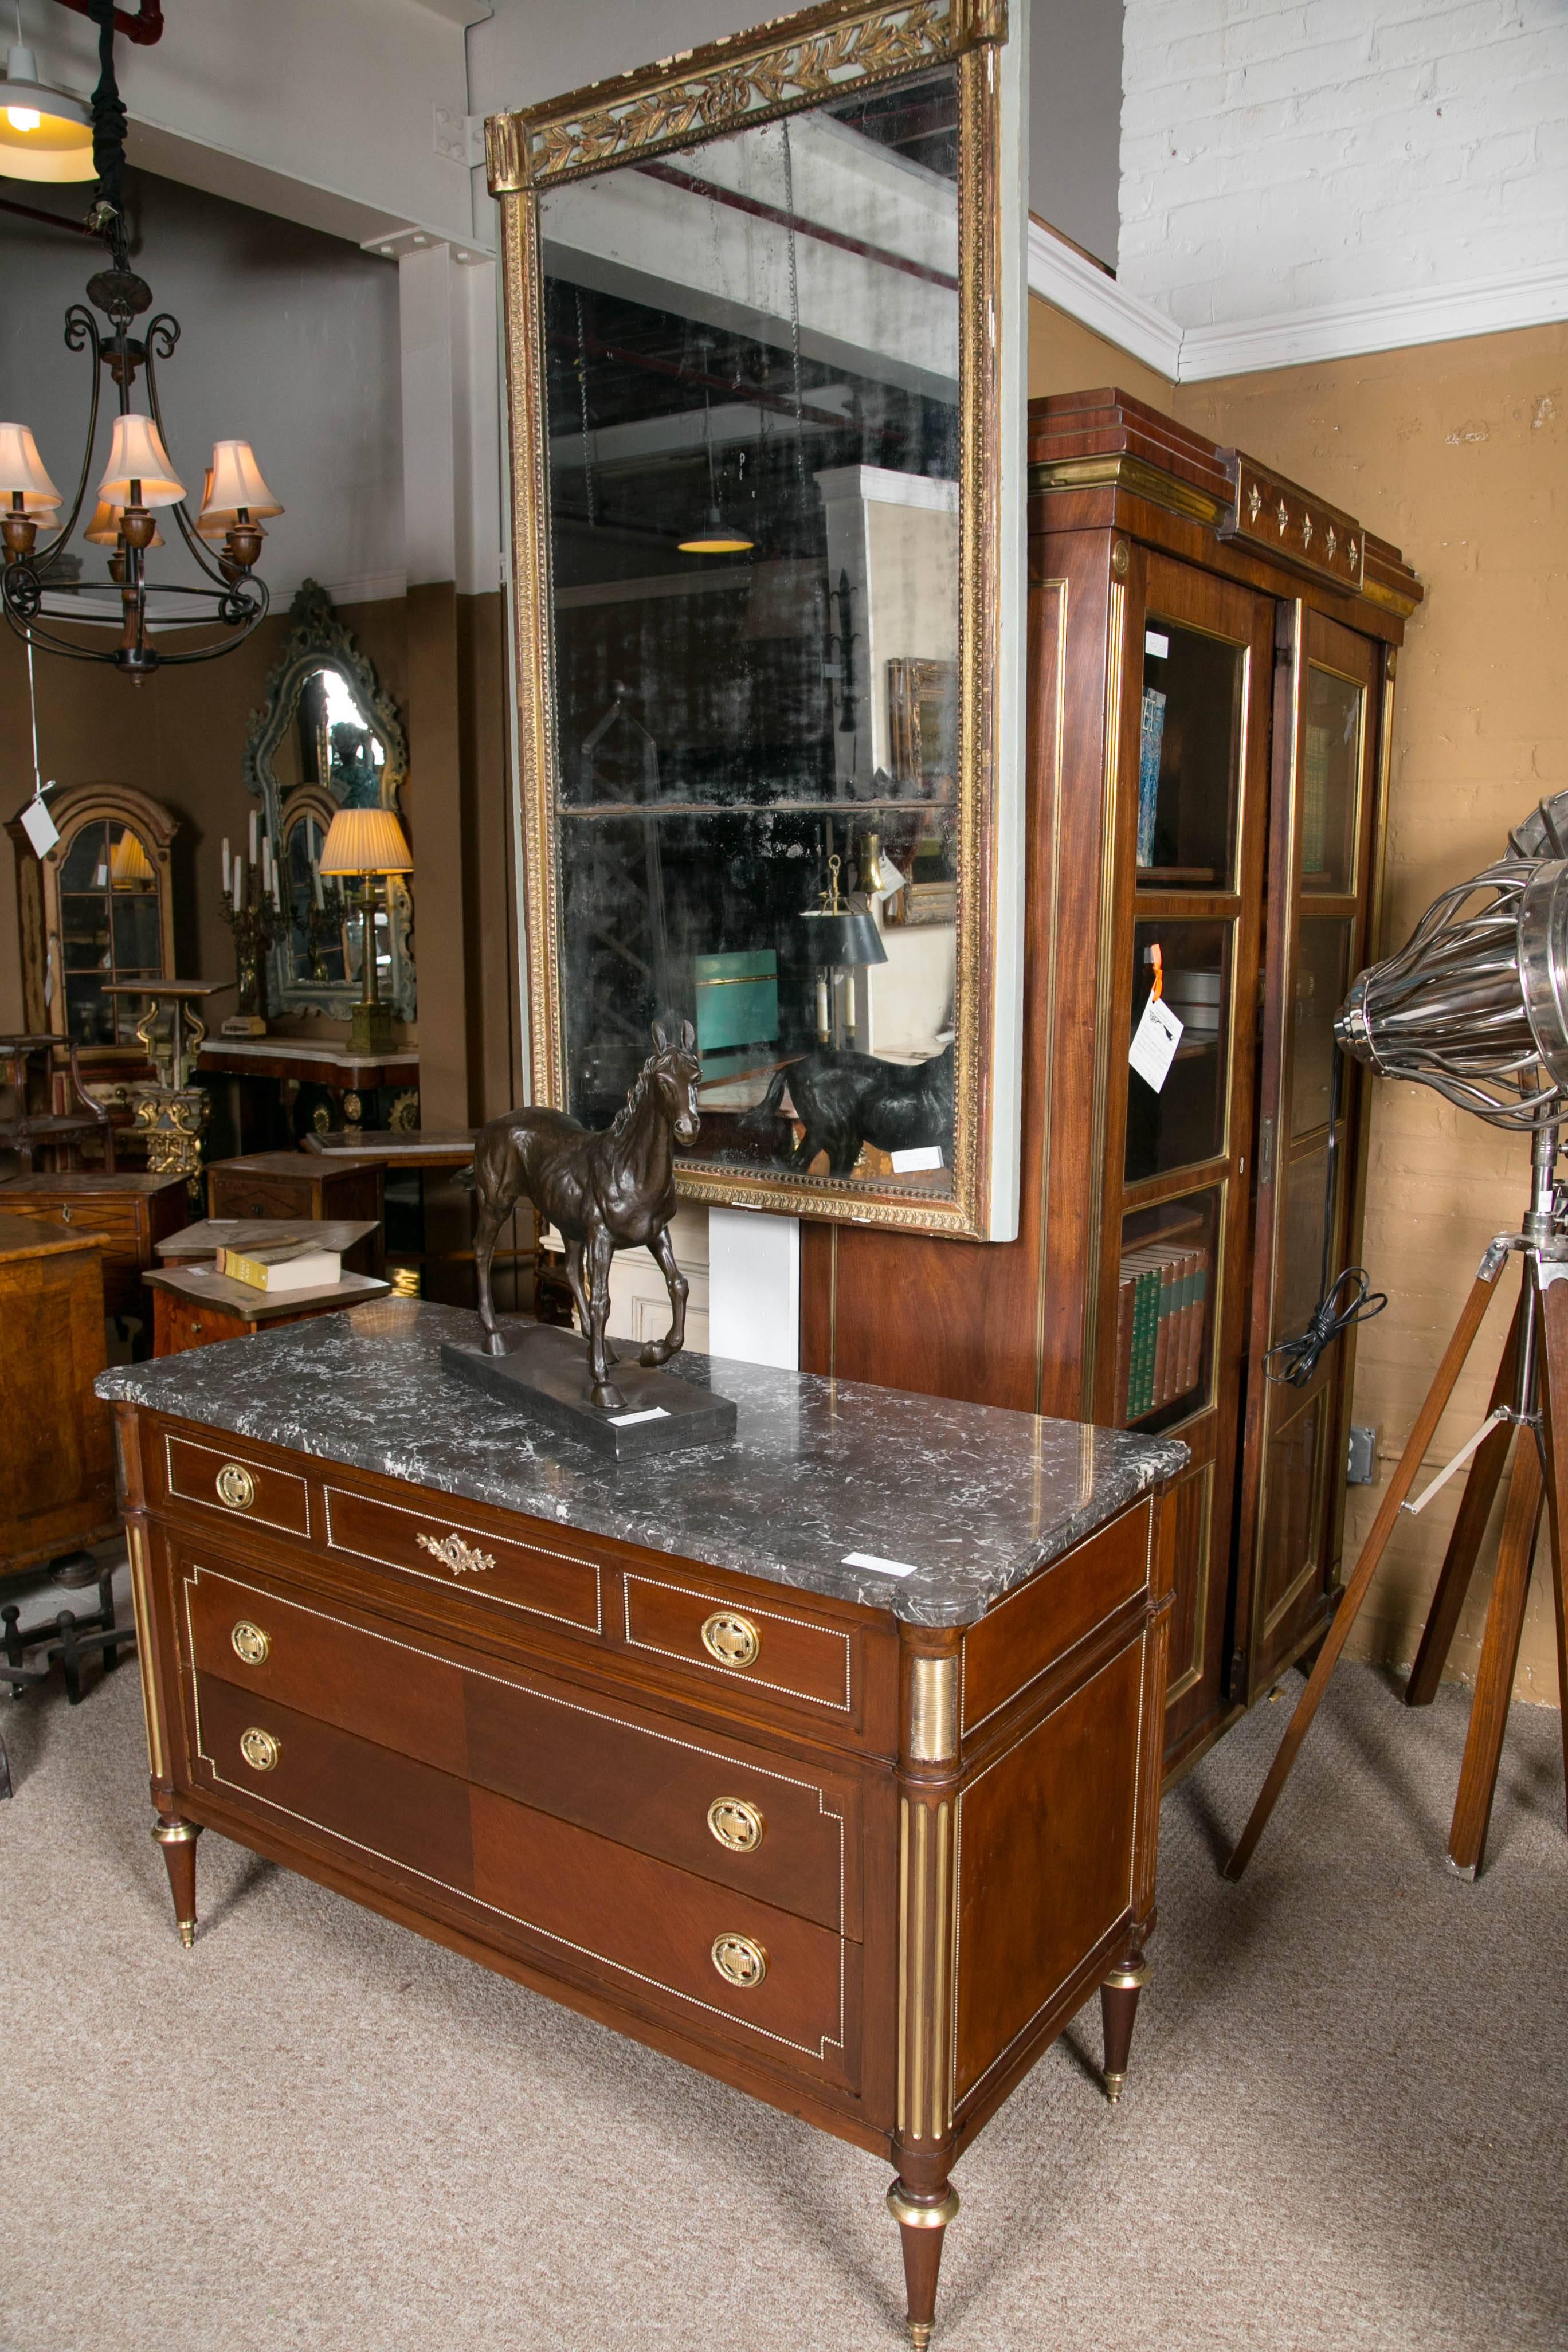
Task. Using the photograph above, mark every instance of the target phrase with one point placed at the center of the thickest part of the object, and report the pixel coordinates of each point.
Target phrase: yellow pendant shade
(234, 481)
(44, 133)
(137, 455)
(717, 537)
(129, 863)
(22, 468)
(365, 841)
(103, 531)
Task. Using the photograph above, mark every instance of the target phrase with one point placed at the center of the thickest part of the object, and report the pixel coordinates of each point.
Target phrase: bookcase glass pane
(1164, 1311)
(1183, 1122)
(1301, 1271)
(1323, 979)
(1189, 758)
(1330, 771)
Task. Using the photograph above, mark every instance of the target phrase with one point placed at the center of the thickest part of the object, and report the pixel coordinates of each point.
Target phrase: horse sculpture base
(547, 1373)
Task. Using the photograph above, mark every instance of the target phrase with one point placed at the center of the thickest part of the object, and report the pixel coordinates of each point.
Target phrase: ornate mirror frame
(318, 640)
(781, 69)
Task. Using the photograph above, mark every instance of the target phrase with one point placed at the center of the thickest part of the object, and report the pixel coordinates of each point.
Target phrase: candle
(255, 822)
(238, 880)
(316, 882)
(226, 888)
(266, 867)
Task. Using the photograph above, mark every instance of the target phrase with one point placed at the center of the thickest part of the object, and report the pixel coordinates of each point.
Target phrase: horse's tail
(768, 1106)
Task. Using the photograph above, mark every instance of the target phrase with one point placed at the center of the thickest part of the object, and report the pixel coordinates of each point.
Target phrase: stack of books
(1160, 1309)
(283, 1266)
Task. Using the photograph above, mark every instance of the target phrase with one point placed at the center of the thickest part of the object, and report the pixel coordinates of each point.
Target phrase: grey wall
(288, 340)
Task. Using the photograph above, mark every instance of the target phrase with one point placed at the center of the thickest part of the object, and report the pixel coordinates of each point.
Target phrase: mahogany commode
(671, 1742)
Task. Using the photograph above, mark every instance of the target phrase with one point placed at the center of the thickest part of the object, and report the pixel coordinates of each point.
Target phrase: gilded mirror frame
(784, 68)
(318, 640)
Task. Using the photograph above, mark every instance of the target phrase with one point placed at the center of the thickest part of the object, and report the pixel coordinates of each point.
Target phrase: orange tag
(1158, 961)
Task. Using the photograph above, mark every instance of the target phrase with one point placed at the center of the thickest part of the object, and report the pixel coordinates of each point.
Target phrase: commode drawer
(566, 1585)
(235, 1483)
(786, 1833)
(1024, 1636)
(584, 1902)
(768, 1649)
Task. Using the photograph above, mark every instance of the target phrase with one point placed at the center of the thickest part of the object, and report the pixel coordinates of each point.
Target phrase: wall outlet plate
(1362, 1468)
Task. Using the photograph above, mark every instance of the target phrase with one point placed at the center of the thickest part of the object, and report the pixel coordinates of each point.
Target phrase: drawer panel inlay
(754, 1645)
(1023, 1638)
(444, 1550)
(237, 1486)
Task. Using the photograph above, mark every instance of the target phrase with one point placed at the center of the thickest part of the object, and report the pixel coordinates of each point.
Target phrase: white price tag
(39, 827)
(630, 1419)
(918, 1159)
(1153, 1047)
(878, 1566)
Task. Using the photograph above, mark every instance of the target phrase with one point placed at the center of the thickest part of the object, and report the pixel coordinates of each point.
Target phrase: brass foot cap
(920, 2334)
(910, 2216)
(1463, 1870)
(187, 1933)
(1113, 2084)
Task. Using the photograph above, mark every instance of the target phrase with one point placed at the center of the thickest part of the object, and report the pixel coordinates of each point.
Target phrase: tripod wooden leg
(1500, 1659)
(1469, 1526)
(1382, 1527)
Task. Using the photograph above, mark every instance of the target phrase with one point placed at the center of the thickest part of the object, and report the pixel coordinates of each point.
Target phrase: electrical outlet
(1361, 1469)
(452, 135)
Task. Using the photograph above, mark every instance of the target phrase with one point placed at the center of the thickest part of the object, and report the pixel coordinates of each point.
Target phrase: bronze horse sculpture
(602, 1191)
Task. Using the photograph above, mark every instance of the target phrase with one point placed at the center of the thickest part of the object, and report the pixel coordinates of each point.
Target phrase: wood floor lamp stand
(1530, 1405)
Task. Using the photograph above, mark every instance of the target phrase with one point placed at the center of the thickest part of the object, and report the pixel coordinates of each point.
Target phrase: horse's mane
(629, 1109)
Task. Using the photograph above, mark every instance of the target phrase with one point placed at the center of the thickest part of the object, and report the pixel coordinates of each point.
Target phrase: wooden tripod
(1529, 1391)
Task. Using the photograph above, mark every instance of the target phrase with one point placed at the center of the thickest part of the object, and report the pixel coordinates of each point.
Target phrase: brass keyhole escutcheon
(731, 1639)
(251, 1643)
(739, 1961)
(235, 1486)
(737, 1825)
(260, 1749)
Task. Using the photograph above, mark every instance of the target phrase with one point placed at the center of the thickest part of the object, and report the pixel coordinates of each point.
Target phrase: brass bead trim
(737, 1825)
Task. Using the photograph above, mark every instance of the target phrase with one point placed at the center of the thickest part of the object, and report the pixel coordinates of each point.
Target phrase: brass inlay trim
(1136, 474)
(917, 1975)
(902, 2109)
(927, 1968)
(933, 1709)
(938, 2053)
(141, 1605)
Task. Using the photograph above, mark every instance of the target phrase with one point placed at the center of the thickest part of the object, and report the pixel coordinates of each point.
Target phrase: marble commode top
(967, 1498)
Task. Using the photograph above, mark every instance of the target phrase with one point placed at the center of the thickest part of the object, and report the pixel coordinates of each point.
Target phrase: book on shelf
(1160, 1302)
(287, 1266)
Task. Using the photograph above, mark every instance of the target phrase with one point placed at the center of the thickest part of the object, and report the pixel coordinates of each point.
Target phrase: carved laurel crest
(889, 41)
(463, 1560)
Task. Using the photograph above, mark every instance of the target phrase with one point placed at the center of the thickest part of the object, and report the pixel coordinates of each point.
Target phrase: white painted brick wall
(1281, 154)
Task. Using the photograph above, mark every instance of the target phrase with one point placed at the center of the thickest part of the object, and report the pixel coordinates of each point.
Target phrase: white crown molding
(1059, 274)
(369, 588)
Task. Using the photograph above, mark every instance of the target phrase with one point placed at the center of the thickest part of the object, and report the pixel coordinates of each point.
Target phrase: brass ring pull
(739, 1961)
(737, 1826)
(731, 1639)
(260, 1749)
(235, 1486)
(250, 1642)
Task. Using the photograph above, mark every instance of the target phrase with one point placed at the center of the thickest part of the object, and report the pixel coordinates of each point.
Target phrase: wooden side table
(57, 1473)
(130, 1209)
(194, 1306)
(300, 1184)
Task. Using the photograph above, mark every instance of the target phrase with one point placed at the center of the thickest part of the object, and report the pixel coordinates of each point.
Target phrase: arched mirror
(328, 736)
(96, 909)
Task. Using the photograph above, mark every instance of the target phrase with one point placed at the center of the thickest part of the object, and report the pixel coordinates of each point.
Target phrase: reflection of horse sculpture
(845, 1099)
(604, 1191)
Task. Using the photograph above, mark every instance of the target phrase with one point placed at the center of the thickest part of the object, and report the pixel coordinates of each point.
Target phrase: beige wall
(1457, 453)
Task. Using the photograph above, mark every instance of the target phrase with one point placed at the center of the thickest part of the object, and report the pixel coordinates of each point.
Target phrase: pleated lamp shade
(129, 863)
(365, 841)
(234, 481)
(22, 468)
(103, 531)
(137, 455)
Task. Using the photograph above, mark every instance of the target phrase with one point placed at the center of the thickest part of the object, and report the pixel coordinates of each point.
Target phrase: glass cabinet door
(1322, 818)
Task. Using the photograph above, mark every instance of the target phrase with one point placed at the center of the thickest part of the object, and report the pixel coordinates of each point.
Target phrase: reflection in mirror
(110, 929)
(751, 375)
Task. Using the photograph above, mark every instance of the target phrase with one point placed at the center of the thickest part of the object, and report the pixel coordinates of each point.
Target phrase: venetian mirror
(767, 711)
(327, 738)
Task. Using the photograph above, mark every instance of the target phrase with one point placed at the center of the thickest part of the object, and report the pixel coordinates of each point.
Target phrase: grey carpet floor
(1343, 2128)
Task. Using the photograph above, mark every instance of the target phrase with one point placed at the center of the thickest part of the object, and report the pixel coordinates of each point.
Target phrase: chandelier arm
(258, 611)
(31, 634)
(167, 328)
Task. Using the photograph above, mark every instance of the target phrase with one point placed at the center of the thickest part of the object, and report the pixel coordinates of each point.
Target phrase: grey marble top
(972, 1498)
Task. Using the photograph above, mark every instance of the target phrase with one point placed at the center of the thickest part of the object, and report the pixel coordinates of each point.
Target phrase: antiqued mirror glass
(327, 738)
(755, 792)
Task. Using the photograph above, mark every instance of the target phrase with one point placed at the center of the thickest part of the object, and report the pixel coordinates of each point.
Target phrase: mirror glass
(751, 354)
(111, 929)
(328, 738)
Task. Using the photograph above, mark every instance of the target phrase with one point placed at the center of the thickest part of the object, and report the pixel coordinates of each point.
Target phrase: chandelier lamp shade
(224, 537)
(44, 133)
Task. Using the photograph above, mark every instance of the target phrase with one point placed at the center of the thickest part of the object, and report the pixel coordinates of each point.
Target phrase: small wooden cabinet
(302, 1185)
(57, 1477)
(1212, 658)
(130, 1211)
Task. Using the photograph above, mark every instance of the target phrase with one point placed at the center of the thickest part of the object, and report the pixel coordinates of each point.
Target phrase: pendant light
(44, 133)
(717, 535)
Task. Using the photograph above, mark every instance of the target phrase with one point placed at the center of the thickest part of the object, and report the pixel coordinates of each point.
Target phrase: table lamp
(367, 842)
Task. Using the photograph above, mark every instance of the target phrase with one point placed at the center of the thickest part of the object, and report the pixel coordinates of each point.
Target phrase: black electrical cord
(1299, 1357)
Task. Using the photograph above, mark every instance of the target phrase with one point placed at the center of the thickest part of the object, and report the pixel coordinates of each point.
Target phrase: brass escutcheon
(235, 1486)
(731, 1639)
(260, 1749)
(251, 1643)
(736, 1824)
(739, 1961)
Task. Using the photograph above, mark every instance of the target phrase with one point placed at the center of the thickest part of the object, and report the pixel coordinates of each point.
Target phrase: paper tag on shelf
(880, 1566)
(916, 1160)
(1153, 1047)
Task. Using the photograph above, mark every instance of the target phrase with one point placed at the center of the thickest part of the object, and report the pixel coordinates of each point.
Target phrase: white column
(451, 417)
(753, 1288)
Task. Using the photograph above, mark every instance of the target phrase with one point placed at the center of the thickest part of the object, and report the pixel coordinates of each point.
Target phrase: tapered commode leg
(178, 1840)
(1118, 2014)
(922, 2216)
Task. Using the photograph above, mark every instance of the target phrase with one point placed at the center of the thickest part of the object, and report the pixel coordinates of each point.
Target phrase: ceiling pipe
(146, 26)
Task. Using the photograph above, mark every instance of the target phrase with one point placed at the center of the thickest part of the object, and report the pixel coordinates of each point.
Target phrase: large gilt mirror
(328, 736)
(761, 308)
